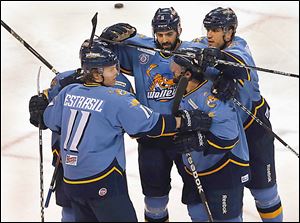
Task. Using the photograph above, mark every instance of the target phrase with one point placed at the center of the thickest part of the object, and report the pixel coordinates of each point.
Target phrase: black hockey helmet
(221, 18)
(166, 19)
(189, 63)
(96, 57)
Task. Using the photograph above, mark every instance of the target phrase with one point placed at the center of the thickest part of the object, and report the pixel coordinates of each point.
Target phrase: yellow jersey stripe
(255, 112)
(125, 71)
(196, 88)
(55, 151)
(220, 147)
(219, 168)
(248, 74)
(95, 179)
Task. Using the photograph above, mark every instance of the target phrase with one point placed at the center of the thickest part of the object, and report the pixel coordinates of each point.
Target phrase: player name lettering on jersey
(161, 95)
(83, 102)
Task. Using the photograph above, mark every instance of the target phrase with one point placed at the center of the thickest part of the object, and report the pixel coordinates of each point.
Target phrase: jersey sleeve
(56, 86)
(139, 120)
(51, 119)
(223, 134)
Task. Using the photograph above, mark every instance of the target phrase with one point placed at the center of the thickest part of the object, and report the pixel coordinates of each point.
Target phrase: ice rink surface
(57, 29)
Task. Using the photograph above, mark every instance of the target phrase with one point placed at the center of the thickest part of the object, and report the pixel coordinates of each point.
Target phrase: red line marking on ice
(17, 140)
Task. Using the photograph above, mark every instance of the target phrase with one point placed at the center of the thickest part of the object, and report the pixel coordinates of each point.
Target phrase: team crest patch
(211, 101)
(71, 160)
(102, 192)
(120, 92)
(143, 58)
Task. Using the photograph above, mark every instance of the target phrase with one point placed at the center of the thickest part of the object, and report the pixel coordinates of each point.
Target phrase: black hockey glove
(118, 32)
(194, 120)
(209, 57)
(37, 106)
(72, 79)
(224, 89)
(190, 141)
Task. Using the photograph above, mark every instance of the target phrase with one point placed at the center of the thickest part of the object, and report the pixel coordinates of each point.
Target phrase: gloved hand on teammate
(72, 79)
(193, 120)
(190, 141)
(118, 32)
(208, 57)
(223, 88)
(37, 106)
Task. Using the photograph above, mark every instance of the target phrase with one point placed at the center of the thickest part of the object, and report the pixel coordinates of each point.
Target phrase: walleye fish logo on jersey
(161, 88)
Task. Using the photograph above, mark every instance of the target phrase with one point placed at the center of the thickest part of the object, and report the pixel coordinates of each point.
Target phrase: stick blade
(182, 84)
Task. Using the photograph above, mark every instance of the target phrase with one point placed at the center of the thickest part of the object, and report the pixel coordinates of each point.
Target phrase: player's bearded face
(167, 40)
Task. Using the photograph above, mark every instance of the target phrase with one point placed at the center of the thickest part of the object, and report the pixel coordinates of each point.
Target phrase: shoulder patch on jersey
(120, 92)
(134, 102)
(211, 101)
(144, 58)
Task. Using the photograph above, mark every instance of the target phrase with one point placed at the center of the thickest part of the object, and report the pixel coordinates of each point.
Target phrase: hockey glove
(209, 57)
(224, 89)
(72, 79)
(37, 106)
(194, 120)
(118, 32)
(190, 141)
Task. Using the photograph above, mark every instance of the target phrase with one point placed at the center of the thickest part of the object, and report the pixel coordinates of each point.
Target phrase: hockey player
(58, 83)
(91, 119)
(221, 25)
(221, 159)
(154, 88)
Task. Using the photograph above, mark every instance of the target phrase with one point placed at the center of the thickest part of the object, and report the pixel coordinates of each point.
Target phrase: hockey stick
(195, 175)
(41, 152)
(256, 68)
(29, 47)
(193, 55)
(94, 23)
(264, 125)
(178, 96)
(53, 180)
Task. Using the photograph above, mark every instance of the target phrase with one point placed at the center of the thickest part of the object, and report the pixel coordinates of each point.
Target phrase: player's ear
(179, 31)
(228, 34)
(98, 77)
